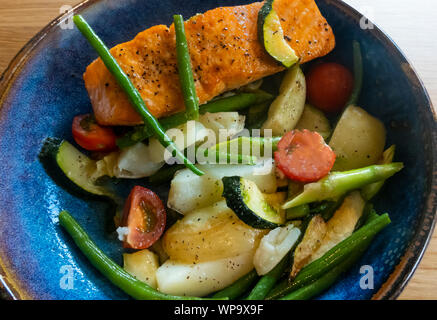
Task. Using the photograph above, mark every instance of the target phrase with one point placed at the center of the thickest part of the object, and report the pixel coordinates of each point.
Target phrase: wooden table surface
(412, 27)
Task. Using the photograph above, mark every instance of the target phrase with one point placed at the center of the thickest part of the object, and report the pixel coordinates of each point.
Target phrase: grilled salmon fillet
(225, 54)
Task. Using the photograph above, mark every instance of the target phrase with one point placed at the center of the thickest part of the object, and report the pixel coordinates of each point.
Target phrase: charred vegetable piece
(311, 241)
(341, 225)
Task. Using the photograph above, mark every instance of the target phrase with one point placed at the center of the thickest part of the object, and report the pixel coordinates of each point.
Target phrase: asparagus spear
(338, 183)
(370, 190)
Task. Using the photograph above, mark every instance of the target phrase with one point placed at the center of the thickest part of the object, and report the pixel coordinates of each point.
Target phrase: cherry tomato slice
(329, 86)
(90, 136)
(145, 217)
(304, 156)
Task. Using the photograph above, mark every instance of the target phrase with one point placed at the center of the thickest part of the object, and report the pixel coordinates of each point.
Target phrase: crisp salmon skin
(225, 54)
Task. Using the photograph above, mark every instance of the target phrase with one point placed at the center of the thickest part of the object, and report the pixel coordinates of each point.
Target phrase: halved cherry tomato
(90, 136)
(145, 217)
(304, 156)
(329, 86)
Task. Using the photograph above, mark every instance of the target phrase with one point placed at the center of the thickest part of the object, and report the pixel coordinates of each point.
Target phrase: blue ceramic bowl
(42, 90)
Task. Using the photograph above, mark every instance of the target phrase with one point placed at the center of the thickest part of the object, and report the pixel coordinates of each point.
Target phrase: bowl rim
(423, 233)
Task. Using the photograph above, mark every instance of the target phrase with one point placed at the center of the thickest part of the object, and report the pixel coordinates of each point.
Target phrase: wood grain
(411, 26)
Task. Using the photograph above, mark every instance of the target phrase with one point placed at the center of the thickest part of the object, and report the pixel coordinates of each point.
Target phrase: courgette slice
(270, 33)
(249, 204)
(72, 169)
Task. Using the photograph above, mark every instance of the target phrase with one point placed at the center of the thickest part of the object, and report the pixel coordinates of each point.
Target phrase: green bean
(266, 283)
(233, 103)
(337, 184)
(237, 102)
(333, 257)
(130, 90)
(371, 216)
(358, 74)
(116, 274)
(328, 279)
(185, 70)
(238, 288)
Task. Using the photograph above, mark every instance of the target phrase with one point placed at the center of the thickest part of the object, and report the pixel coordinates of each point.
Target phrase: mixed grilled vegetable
(278, 212)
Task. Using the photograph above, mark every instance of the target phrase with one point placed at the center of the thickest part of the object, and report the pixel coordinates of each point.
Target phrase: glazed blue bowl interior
(49, 91)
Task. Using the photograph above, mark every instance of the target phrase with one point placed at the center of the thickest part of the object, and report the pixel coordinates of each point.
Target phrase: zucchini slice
(249, 204)
(270, 33)
(72, 169)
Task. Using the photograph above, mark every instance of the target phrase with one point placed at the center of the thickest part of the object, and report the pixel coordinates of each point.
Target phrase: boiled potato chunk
(200, 279)
(189, 191)
(208, 234)
(142, 265)
(287, 108)
(314, 120)
(358, 140)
